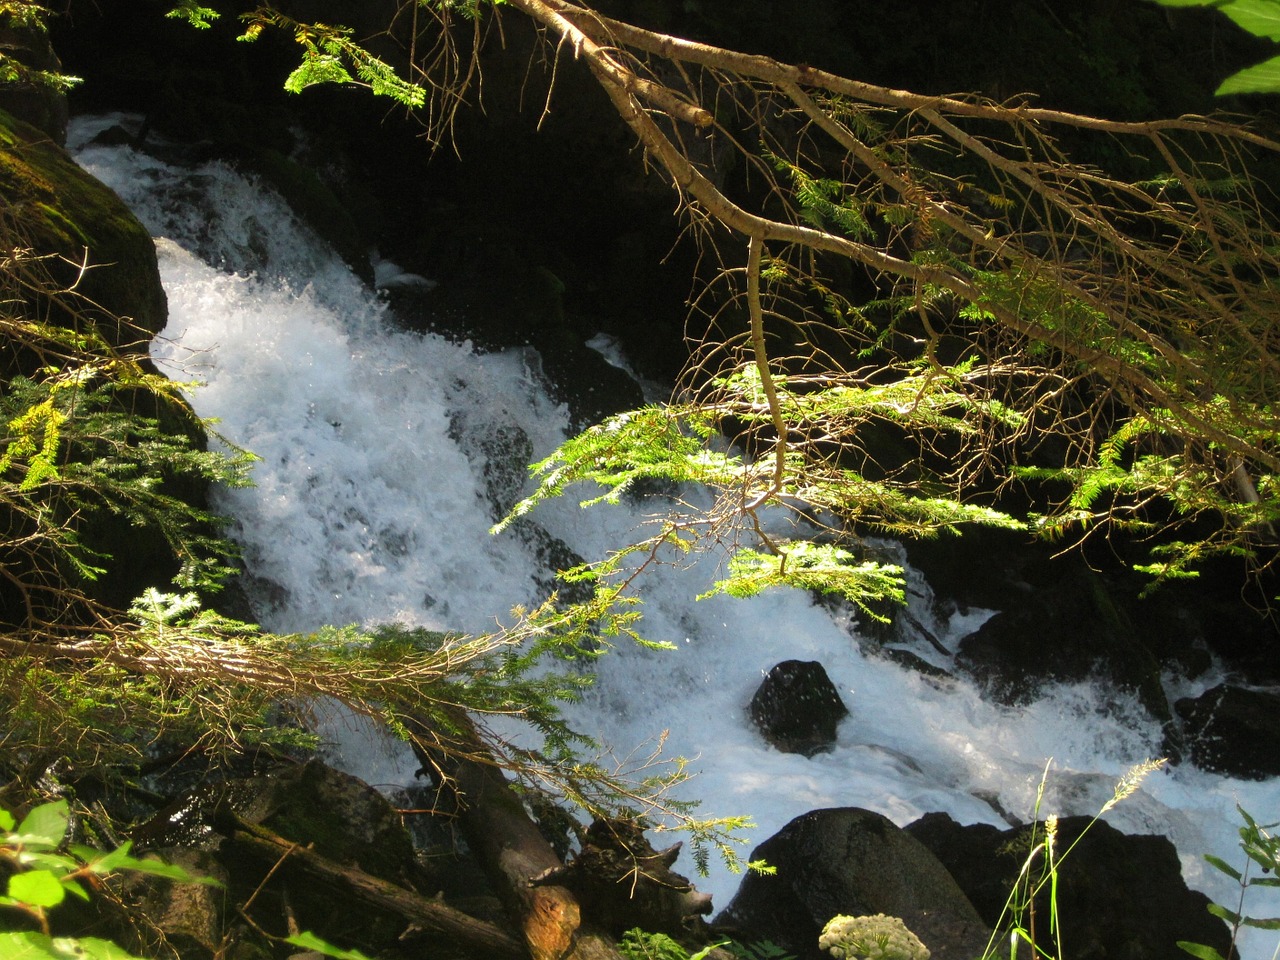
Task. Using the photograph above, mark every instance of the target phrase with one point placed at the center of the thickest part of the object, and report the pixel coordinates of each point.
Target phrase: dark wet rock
(913, 661)
(854, 862)
(499, 450)
(342, 816)
(797, 708)
(1233, 730)
(1118, 895)
(339, 817)
(190, 915)
(1070, 632)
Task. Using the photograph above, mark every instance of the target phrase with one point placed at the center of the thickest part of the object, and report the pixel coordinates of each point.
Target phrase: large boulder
(853, 862)
(91, 268)
(91, 240)
(1233, 730)
(1073, 630)
(797, 708)
(1118, 895)
(190, 916)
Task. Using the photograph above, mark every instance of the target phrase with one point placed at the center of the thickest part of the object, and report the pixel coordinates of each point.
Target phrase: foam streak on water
(368, 508)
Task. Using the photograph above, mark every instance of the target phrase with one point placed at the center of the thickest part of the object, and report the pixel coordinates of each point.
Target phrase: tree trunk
(482, 938)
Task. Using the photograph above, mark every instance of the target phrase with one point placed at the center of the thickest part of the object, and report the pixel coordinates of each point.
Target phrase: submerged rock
(797, 708)
(1233, 730)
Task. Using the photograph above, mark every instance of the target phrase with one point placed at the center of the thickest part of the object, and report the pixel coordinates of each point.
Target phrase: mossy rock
(96, 274)
(56, 209)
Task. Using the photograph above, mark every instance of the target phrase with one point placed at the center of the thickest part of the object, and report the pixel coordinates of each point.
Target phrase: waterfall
(372, 503)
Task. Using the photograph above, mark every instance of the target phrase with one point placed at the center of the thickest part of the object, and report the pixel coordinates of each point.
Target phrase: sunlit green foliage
(198, 16)
(1259, 17)
(71, 450)
(1261, 849)
(44, 869)
(26, 15)
(814, 566)
(330, 55)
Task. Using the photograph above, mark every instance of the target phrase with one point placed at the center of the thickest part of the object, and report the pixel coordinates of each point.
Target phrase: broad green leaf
(152, 868)
(91, 948)
(121, 859)
(1200, 950)
(39, 888)
(1263, 923)
(46, 824)
(52, 861)
(1259, 17)
(1218, 910)
(37, 946)
(28, 946)
(1220, 864)
(1266, 859)
(702, 954)
(310, 941)
(1264, 882)
(7, 822)
(1260, 78)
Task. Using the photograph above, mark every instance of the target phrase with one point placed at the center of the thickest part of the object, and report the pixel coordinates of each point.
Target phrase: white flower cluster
(871, 938)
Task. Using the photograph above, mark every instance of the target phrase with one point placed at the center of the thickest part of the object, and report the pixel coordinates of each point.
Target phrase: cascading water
(372, 503)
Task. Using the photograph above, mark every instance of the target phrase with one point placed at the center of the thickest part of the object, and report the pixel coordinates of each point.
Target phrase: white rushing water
(369, 505)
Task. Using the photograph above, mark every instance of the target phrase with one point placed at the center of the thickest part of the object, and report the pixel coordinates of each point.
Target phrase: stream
(370, 505)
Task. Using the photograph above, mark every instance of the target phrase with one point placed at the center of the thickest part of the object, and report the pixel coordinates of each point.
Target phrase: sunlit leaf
(1259, 17)
(1218, 910)
(91, 948)
(1200, 950)
(1260, 78)
(46, 824)
(28, 946)
(122, 859)
(39, 888)
(310, 941)
(1222, 865)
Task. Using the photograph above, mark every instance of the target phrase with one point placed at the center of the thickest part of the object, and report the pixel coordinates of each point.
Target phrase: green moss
(55, 207)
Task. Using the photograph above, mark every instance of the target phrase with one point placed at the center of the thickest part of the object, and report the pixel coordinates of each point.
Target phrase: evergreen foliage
(1035, 324)
(29, 16)
(1027, 321)
(330, 56)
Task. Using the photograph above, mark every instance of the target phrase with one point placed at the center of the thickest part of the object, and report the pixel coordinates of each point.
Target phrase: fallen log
(466, 931)
(621, 882)
(510, 847)
(566, 912)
